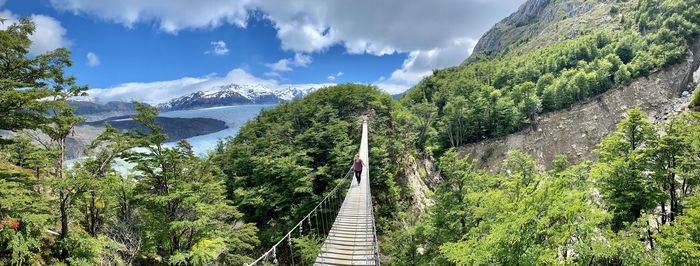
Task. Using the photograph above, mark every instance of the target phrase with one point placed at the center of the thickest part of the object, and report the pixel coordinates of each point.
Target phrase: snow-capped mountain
(290, 93)
(234, 94)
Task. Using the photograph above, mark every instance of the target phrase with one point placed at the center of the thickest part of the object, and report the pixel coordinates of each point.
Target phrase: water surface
(234, 116)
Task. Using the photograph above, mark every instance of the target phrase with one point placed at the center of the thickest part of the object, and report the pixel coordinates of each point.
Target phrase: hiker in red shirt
(357, 166)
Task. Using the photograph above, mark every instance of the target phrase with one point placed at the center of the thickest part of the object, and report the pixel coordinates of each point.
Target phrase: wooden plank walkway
(351, 239)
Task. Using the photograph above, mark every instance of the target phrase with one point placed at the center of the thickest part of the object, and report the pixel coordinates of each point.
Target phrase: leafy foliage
(608, 212)
(281, 163)
(171, 210)
(696, 98)
(636, 205)
(625, 183)
(184, 210)
(507, 91)
(30, 78)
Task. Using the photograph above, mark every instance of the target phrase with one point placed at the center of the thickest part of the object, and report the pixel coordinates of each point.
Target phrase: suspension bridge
(343, 220)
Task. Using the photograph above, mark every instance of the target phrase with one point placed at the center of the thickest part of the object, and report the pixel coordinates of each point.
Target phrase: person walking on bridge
(357, 166)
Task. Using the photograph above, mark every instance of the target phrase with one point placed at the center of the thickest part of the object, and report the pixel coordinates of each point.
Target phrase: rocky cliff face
(576, 131)
(541, 22)
(419, 178)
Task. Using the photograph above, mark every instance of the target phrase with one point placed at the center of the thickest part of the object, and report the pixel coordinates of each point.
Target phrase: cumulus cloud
(287, 64)
(420, 64)
(420, 29)
(363, 26)
(383, 27)
(335, 76)
(162, 91)
(302, 60)
(170, 16)
(218, 48)
(280, 66)
(49, 34)
(92, 59)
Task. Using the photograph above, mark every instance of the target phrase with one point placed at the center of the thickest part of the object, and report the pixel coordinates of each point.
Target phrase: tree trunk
(663, 213)
(63, 208)
(672, 191)
(92, 223)
(649, 236)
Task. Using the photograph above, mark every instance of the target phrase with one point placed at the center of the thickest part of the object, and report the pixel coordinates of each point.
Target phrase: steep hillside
(541, 22)
(506, 93)
(564, 78)
(576, 131)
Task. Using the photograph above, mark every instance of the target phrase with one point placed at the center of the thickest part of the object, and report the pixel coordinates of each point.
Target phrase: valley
(568, 134)
(203, 118)
(203, 128)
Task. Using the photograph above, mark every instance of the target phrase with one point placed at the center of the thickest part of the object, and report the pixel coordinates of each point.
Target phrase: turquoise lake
(234, 116)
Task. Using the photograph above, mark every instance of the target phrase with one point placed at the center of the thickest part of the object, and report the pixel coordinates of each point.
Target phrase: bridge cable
(325, 202)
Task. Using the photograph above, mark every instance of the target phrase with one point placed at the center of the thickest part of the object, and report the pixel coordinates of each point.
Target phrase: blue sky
(153, 50)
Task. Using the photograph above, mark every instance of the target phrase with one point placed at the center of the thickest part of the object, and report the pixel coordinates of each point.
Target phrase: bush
(696, 98)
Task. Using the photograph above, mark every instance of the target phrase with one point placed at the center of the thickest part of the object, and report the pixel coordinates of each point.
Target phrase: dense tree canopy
(635, 205)
(508, 90)
(282, 162)
(171, 210)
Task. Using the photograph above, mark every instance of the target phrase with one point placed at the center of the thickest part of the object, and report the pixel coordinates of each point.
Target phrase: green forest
(504, 93)
(636, 204)
(589, 213)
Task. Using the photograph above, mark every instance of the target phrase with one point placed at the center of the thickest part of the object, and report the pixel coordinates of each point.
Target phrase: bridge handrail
(374, 228)
(308, 216)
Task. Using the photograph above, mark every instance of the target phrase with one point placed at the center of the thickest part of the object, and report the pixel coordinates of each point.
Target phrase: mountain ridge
(83, 107)
(592, 120)
(538, 23)
(234, 94)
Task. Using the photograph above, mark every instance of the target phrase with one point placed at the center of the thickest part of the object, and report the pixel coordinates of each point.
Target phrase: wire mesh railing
(303, 242)
(375, 240)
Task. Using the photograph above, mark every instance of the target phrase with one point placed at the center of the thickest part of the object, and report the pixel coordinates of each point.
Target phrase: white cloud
(287, 64)
(162, 91)
(92, 59)
(422, 28)
(49, 34)
(420, 64)
(280, 66)
(218, 48)
(150, 92)
(302, 60)
(335, 76)
(170, 16)
(362, 26)
(273, 74)
(366, 26)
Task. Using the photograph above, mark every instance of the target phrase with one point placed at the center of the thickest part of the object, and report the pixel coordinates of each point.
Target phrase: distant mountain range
(88, 107)
(234, 94)
(231, 94)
